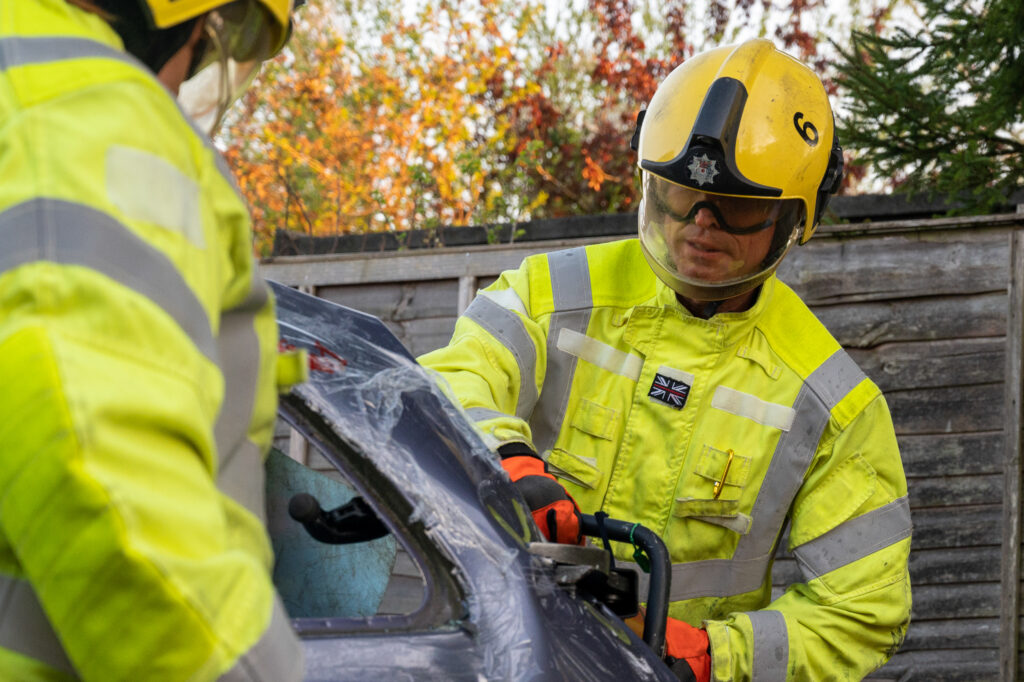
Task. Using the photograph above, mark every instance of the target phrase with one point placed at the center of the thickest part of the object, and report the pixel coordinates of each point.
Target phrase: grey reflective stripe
(836, 377)
(23, 51)
(792, 456)
(480, 414)
(709, 578)
(276, 657)
(73, 234)
(509, 330)
(748, 567)
(855, 539)
(24, 627)
(238, 346)
(821, 392)
(771, 646)
(570, 287)
(570, 279)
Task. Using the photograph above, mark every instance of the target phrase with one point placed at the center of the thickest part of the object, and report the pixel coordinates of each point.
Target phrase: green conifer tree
(941, 110)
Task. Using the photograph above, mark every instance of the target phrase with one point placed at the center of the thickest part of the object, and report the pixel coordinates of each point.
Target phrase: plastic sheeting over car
(491, 610)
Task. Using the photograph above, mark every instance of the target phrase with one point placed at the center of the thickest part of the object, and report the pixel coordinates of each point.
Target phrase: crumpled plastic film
(393, 413)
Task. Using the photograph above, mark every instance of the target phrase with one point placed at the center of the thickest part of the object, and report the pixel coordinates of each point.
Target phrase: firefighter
(675, 381)
(137, 351)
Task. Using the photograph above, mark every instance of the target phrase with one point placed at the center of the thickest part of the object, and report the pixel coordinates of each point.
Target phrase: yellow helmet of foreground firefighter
(237, 37)
(747, 133)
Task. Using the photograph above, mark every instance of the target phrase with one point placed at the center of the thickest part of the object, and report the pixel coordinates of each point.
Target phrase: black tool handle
(661, 571)
(353, 521)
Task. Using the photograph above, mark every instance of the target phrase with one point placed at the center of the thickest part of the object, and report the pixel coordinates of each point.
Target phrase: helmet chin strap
(709, 309)
(705, 310)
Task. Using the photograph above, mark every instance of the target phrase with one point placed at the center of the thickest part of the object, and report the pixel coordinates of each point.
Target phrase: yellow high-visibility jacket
(713, 433)
(138, 364)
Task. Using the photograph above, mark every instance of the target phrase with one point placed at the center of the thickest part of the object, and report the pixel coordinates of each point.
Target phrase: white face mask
(208, 95)
(236, 39)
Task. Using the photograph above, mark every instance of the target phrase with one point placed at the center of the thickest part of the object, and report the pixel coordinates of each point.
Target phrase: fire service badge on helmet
(702, 169)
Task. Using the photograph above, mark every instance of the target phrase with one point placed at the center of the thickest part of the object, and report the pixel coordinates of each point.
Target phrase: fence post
(1009, 626)
(467, 290)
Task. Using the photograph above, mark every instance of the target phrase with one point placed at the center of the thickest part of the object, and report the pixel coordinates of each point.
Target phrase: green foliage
(941, 110)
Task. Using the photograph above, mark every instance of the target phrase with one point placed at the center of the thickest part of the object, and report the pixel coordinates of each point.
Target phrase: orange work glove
(553, 509)
(687, 651)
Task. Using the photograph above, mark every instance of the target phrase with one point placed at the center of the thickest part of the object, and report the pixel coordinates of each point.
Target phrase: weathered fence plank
(959, 527)
(956, 665)
(866, 325)
(933, 364)
(950, 491)
(410, 300)
(966, 633)
(940, 602)
(963, 409)
(1013, 404)
(952, 454)
(900, 266)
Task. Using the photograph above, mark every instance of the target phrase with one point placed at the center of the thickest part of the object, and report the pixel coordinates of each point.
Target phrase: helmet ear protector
(832, 180)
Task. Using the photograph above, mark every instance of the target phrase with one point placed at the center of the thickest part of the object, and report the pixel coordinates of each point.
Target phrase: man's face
(699, 247)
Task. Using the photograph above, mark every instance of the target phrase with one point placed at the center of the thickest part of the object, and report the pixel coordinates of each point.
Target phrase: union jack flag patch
(669, 391)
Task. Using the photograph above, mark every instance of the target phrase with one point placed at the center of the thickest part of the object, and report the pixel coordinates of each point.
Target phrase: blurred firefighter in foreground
(137, 349)
(673, 380)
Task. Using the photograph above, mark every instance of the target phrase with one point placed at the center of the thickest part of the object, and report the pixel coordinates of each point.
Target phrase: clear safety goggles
(695, 263)
(735, 215)
(236, 39)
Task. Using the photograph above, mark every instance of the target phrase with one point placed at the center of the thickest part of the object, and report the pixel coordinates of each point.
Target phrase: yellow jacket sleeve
(850, 535)
(110, 508)
(495, 361)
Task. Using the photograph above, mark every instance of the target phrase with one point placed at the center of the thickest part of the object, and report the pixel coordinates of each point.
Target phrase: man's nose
(705, 218)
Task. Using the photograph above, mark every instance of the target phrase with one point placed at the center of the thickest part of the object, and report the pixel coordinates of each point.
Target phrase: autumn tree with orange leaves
(462, 112)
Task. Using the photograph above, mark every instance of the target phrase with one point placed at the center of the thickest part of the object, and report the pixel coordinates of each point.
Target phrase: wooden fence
(932, 310)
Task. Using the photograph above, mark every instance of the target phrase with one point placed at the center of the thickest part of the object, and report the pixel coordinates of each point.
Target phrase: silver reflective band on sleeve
(771, 646)
(481, 414)
(570, 279)
(600, 354)
(570, 287)
(276, 657)
(855, 539)
(835, 377)
(24, 627)
(709, 578)
(23, 51)
(73, 234)
(241, 461)
(508, 329)
(506, 298)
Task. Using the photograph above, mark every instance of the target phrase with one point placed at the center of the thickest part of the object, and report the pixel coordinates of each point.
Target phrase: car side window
(357, 580)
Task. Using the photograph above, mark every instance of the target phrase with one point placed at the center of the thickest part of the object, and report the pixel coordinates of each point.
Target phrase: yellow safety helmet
(747, 132)
(259, 28)
(238, 35)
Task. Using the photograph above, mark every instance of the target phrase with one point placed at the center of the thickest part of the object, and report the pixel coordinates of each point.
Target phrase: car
(416, 558)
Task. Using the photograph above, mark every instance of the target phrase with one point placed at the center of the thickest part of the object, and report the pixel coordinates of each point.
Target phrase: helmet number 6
(807, 130)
